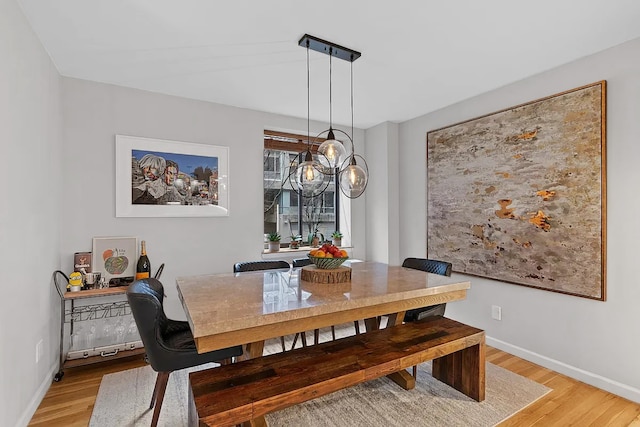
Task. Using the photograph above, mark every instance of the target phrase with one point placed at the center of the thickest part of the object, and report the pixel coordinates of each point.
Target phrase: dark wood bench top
(231, 394)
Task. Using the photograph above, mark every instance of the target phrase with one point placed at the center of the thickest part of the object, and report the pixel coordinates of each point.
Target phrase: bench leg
(463, 370)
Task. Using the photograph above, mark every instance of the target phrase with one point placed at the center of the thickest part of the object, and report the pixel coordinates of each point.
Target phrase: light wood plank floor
(69, 402)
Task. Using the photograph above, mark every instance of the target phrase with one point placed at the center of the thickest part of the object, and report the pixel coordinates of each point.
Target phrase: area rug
(123, 400)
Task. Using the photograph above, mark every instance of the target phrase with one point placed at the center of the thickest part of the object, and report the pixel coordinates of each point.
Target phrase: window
(284, 208)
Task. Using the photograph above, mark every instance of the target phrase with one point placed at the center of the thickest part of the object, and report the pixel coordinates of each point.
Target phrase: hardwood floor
(69, 402)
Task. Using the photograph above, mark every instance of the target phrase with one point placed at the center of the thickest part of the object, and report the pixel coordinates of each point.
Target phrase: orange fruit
(312, 252)
(329, 255)
(343, 253)
(320, 254)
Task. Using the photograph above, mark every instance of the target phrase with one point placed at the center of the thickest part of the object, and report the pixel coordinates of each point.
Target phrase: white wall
(94, 113)
(593, 341)
(30, 148)
(382, 193)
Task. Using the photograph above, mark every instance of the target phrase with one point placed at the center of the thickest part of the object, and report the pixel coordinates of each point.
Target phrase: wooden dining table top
(239, 308)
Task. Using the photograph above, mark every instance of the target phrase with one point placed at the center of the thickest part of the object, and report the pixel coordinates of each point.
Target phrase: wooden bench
(232, 394)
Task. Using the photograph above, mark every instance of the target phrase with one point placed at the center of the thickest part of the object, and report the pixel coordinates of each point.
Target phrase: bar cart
(72, 310)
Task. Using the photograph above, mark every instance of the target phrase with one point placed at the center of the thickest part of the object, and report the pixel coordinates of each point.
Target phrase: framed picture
(158, 178)
(115, 257)
(520, 195)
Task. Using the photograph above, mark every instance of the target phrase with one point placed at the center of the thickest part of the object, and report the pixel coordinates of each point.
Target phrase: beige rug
(123, 400)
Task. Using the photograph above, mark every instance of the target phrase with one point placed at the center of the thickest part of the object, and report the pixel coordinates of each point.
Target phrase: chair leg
(158, 396)
(282, 344)
(333, 332)
(356, 323)
(303, 336)
(316, 336)
(415, 372)
(295, 339)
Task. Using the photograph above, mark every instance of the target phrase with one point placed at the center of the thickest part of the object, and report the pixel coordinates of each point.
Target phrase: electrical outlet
(496, 312)
(39, 348)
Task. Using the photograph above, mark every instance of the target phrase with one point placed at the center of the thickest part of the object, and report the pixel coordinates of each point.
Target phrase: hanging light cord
(308, 102)
(330, 91)
(353, 136)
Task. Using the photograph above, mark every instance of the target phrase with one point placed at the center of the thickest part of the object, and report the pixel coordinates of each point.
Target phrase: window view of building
(285, 210)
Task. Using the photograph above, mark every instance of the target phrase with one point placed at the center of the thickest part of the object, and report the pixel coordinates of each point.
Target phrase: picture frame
(519, 195)
(115, 258)
(162, 178)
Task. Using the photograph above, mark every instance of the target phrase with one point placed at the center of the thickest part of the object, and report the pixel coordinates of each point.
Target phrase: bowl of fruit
(328, 256)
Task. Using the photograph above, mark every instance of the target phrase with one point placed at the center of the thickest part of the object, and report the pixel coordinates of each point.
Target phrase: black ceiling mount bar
(323, 46)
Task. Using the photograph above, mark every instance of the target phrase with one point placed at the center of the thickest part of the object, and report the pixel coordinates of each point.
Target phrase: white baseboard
(37, 397)
(590, 378)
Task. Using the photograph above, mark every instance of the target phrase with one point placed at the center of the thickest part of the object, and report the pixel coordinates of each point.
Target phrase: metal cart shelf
(71, 313)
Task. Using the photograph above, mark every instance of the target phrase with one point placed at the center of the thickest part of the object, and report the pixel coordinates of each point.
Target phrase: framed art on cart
(115, 258)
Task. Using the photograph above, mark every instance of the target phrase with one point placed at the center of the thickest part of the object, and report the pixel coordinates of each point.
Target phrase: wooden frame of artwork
(160, 178)
(519, 195)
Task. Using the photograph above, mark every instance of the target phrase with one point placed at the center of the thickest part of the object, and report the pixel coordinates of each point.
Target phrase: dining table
(229, 309)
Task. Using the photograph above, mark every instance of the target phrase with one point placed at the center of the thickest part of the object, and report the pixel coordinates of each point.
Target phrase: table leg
(403, 378)
(371, 324)
(252, 350)
(257, 422)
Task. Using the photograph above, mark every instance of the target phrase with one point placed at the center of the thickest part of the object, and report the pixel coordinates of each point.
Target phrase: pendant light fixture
(332, 154)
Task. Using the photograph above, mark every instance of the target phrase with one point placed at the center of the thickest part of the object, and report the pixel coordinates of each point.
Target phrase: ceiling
(417, 55)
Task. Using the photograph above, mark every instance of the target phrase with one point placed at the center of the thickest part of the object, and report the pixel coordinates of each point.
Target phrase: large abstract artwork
(519, 195)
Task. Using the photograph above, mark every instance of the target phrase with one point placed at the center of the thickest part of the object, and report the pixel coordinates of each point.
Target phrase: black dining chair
(442, 268)
(169, 344)
(243, 267)
(247, 266)
(301, 262)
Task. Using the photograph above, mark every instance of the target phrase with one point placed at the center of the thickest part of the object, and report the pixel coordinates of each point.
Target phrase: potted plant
(295, 241)
(274, 242)
(336, 238)
(314, 239)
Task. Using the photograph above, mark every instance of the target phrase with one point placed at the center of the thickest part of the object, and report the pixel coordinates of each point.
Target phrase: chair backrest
(301, 262)
(241, 267)
(429, 265)
(145, 298)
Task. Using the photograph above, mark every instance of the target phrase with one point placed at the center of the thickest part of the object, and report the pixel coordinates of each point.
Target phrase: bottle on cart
(143, 269)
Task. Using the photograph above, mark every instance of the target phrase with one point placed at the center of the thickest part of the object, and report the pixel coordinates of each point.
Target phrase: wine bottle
(143, 269)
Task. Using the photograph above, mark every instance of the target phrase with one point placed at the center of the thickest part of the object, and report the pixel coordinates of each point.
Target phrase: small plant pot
(337, 242)
(315, 242)
(274, 246)
(294, 245)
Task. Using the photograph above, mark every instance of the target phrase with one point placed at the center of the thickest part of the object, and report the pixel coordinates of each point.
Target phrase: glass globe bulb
(333, 152)
(309, 177)
(353, 181)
